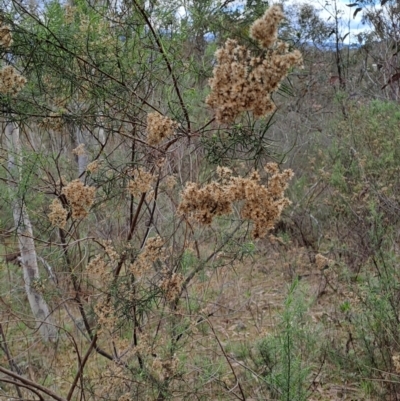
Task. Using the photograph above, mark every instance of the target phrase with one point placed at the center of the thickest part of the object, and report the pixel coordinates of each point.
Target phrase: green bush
(287, 357)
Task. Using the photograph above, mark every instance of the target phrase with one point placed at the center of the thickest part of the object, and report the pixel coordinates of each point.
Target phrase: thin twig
(162, 51)
(11, 361)
(229, 362)
(81, 367)
(32, 384)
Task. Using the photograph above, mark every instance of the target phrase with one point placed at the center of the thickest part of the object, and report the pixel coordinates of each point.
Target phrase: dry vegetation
(186, 256)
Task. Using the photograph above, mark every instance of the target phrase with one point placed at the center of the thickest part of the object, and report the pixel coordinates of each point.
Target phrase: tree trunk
(82, 157)
(26, 243)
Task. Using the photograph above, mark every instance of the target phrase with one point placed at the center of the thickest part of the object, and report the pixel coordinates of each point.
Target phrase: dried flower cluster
(115, 376)
(5, 36)
(53, 122)
(265, 29)
(322, 261)
(58, 215)
(79, 150)
(224, 174)
(153, 251)
(262, 204)
(165, 369)
(69, 13)
(80, 197)
(93, 167)
(159, 127)
(242, 82)
(10, 81)
(170, 182)
(141, 182)
(396, 362)
(101, 270)
(172, 285)
(98, 268)
(110, 251)
(106, 316)
(207, 202)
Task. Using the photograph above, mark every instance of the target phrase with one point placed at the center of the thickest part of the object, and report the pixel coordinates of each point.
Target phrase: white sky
(325, 11)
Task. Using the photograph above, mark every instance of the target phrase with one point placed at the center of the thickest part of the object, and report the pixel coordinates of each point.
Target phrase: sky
(326, 11)
(354, 24)
(348, 21)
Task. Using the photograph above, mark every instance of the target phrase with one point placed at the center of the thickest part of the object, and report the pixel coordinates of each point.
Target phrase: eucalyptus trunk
(82, 158)
(26, 243)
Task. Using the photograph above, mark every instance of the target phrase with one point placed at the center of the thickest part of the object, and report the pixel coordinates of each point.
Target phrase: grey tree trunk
(26, 243)
(82, 157)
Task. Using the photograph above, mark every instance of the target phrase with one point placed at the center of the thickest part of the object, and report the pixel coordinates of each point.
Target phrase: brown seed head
(159, 127)
(80, 197)
(262, 205)
(11, 82)
(141, 183)
(58, 215)
(5, 36)
(242, 82)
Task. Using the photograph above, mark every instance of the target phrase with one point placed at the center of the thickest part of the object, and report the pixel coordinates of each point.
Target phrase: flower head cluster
(100, 267)
(79, 150)
(5, 36)
(172, 285)
(170, 182)
(153, 251)
(165, 369)
(93, 167)
(106, 315)
(262, 204)
(322, 262)
(53, 122)
(159, 127)
(396, 362)
(242, 82)
(10, 81)
(224, 174)
(80, 197)
(58, 215)
(69, 13)
(205, 203)
(265, 29)
(141, 183)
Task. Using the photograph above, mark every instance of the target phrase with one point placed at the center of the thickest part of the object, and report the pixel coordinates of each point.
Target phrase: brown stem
(152, 211)
(32, 384)
(18, 385)
(81, 367)
(11, 362)
(162, 51)
(130, 234)
(201, 266)
(243, 398)
(78, 298)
